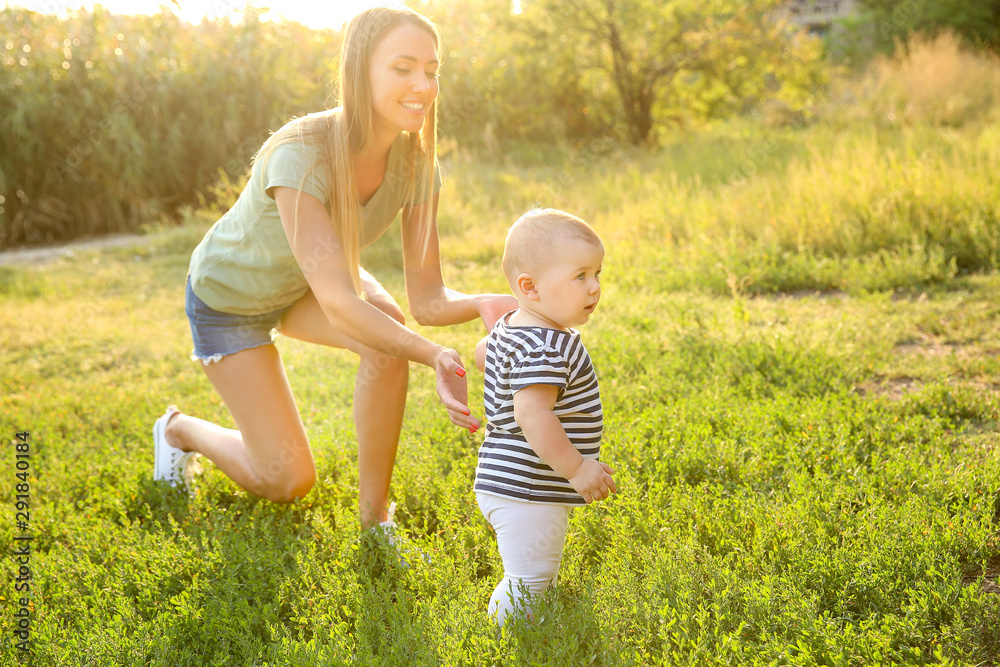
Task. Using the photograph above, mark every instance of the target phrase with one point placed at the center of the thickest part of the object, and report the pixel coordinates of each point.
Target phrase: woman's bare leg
(379, 395)
(379, 403)
(269, 455)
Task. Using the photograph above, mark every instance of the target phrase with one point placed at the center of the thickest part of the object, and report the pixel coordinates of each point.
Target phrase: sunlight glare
(308, 12)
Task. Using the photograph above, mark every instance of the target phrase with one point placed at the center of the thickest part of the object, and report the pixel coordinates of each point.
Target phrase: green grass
(805, 436)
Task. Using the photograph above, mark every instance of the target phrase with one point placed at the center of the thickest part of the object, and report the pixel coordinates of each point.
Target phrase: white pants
(530, 537)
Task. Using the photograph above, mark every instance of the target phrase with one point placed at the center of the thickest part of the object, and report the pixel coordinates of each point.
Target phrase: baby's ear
(526, 286)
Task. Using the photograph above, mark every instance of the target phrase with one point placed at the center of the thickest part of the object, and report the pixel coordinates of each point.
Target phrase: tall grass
(933, 80)
(109, 121)
(844, 204)
(855, 208)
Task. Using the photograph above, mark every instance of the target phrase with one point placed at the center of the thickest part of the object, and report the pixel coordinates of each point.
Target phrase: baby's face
(570, 286)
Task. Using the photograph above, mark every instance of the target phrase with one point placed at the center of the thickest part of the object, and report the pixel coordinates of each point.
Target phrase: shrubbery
(112, 120)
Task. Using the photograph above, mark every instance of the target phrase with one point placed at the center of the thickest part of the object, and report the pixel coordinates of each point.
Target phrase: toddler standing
(542, 402)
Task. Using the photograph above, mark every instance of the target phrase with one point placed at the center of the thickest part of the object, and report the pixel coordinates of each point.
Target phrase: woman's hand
(494, 307)
(453, 390)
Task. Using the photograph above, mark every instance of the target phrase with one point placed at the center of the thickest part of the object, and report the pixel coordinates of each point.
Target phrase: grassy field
(798, 351)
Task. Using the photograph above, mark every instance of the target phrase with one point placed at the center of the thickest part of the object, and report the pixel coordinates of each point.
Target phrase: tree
(497, 85)
(669, 60)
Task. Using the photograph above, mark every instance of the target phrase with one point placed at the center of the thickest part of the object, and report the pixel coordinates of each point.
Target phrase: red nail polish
(460, 372)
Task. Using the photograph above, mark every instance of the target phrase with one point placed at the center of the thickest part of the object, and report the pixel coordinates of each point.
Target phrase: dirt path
(49, 253)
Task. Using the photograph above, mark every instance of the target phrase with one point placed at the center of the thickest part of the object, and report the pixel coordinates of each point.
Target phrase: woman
(287, 257)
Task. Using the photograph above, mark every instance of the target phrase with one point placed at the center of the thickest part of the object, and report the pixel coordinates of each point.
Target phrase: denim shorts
(218, 334)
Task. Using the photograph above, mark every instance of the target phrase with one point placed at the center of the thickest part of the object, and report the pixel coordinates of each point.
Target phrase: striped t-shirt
(517, 357)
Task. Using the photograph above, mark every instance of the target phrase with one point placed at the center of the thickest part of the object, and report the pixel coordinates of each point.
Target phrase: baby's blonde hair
(534, 240)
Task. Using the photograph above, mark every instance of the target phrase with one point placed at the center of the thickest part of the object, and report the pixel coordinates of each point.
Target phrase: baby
(543, 406)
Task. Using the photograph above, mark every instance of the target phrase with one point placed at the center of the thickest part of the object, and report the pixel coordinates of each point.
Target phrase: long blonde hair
(341, 134)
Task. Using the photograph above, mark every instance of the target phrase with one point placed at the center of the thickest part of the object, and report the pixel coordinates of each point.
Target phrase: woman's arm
(430, 302)
(321, 258)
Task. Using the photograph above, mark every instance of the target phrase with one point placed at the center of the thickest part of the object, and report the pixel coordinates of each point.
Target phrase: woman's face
(404, 79)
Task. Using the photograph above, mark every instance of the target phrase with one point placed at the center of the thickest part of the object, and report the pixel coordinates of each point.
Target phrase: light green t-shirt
(245, 266)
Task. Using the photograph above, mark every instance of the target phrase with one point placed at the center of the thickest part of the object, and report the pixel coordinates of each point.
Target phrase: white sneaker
(404, 550)
(170, 464)
(389, 525)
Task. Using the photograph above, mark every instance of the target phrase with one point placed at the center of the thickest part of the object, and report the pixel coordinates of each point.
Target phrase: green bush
(111, 121)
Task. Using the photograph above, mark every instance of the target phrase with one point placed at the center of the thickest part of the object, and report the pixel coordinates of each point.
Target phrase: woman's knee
(381, 361)
(381, 367)
(389, 306)
(380, 297)
(287, 475)
(290, 489)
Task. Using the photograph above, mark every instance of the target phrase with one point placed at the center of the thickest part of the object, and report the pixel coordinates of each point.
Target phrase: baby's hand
(593, 480)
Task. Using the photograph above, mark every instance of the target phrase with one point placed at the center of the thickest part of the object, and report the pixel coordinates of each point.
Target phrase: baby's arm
(533, 413)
